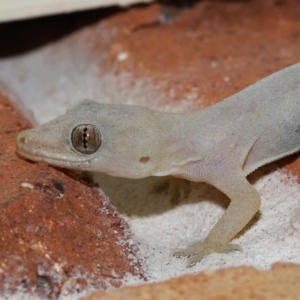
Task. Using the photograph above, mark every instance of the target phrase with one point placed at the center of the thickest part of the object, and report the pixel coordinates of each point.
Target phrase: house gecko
(219, 145)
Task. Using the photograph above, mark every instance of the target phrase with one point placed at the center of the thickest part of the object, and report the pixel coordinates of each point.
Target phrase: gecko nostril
(144, 159)
(21, 139)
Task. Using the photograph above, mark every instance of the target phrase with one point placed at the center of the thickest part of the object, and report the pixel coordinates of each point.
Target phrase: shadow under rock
(136, 197)
(19, 37)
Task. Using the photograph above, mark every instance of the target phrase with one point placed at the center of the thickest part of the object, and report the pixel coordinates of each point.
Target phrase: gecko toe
(198, 251)
(231, 248)
(178, 252)
(195, 259)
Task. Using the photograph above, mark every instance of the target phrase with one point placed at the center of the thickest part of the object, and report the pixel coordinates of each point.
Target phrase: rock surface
(58, 235)
(241, 283)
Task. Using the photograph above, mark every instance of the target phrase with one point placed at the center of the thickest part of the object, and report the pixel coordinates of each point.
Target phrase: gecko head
(97, 137)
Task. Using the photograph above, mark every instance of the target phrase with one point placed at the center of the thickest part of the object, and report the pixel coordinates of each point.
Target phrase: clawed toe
(178, 252)
(195, 255)
(195, 259)
(232, 248)
(198, 251)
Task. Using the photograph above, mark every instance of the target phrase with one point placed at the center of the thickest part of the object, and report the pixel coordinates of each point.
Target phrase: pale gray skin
(219, 145)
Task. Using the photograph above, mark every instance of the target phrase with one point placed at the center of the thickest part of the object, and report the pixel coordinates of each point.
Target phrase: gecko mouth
(48, 156)
(58, 162)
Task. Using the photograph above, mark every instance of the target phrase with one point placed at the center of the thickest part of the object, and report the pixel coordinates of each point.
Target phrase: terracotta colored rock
(206, 53)
(57, 235)
(282, 282)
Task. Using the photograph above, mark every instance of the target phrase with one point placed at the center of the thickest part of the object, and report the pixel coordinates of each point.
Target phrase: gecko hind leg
(245, 202)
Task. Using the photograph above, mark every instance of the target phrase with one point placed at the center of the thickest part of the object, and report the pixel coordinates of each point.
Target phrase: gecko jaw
(62, 163)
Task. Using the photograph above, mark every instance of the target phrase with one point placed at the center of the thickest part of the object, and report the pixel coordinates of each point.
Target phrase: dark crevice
(19, 37)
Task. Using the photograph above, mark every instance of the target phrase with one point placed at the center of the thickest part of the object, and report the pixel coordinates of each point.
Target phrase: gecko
(219, 145)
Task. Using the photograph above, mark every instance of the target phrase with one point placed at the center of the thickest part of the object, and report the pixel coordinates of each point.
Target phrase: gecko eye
(86, 138)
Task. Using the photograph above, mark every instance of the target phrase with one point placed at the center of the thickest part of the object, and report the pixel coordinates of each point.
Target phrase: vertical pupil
(84, 140)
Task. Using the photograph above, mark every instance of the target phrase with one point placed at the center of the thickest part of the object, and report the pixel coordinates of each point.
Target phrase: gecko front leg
(245, 202)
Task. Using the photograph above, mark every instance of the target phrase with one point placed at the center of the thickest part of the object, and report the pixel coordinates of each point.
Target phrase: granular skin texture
(58, 235)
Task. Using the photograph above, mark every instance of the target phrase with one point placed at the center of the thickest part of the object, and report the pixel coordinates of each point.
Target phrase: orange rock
(241, 283)
(57, 234)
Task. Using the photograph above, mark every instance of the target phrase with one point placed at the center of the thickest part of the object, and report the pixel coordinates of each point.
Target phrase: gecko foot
(196, 252)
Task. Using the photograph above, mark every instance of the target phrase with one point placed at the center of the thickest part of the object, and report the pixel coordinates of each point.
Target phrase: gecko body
(219, 145)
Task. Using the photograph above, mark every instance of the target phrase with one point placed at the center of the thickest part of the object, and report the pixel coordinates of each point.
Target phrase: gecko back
(278, 120)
